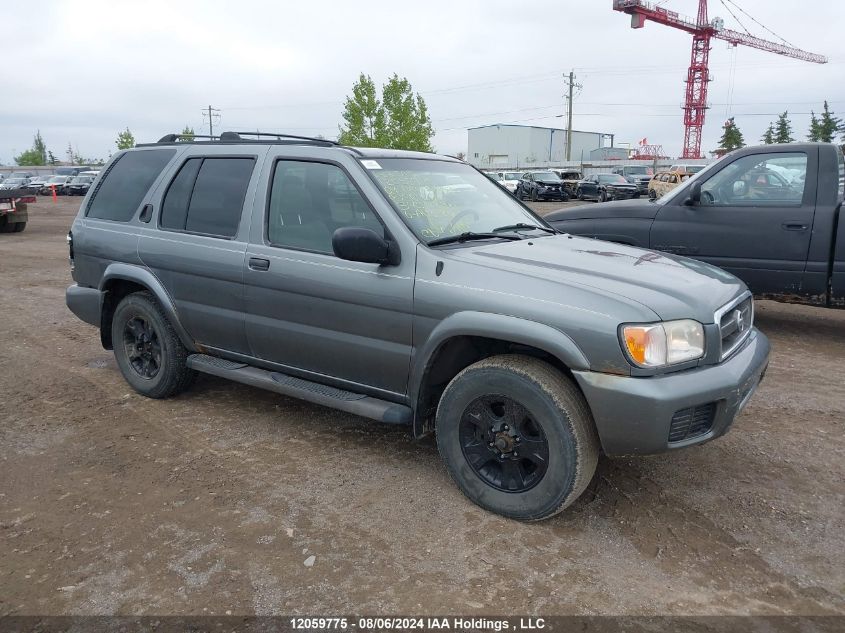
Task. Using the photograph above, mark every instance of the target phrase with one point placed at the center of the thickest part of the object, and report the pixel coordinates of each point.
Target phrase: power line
(760, 24)
(211, 113)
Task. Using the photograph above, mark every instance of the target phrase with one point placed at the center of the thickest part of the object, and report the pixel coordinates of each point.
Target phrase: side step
(357, 403)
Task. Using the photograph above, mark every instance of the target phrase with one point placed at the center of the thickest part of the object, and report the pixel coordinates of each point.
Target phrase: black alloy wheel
(142, 346)
(503, 444)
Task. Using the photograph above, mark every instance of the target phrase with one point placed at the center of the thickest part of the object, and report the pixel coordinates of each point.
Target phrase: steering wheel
(707, 197)
(448, 230)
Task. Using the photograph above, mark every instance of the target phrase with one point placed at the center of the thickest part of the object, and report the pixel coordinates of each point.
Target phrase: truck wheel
(149, 353)
(517, 437)
(19, 227)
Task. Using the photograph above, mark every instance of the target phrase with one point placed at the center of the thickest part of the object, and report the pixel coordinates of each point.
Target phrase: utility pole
(571, 85)
(211, 113)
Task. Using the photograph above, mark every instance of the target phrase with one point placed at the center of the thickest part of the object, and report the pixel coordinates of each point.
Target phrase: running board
(357, 403)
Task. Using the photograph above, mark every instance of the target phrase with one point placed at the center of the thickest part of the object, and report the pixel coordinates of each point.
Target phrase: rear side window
(124, 185)
(207, 196)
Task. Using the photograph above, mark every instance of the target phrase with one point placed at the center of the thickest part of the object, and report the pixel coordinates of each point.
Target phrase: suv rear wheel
(149, 353)
(517, 437)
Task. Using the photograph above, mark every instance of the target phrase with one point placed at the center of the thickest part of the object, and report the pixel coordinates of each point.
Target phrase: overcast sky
(82, 71)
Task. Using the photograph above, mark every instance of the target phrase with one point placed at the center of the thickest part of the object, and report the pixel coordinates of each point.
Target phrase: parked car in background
(685, 168)
(59, 182)
(604, 187)
(570, 179)
(36, 183)
(79, 185)
(13, 209)
(663, 182)
(510, 180)
(784, 238)
(14, 183)
(540, 185)
(22, 174)
(71, 171)
(639, 175)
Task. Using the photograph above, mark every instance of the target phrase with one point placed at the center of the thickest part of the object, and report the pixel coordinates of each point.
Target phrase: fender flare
(143, 277)
(496, 326)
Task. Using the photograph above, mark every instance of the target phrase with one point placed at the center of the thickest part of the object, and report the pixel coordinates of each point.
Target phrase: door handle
(259, 263)
(794, 226)
(146, 213)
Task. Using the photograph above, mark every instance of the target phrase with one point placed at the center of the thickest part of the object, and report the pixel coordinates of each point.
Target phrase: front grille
(735, 321)
(692, 422)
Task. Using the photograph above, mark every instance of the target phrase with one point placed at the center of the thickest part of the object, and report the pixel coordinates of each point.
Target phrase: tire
(158, 371)
(533, 195)
(19, 227)
(603, 196)
(545, 409)
(652, 194)
(579, 194)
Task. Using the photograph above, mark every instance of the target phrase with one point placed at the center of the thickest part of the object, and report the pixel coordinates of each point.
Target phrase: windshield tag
(371, 164)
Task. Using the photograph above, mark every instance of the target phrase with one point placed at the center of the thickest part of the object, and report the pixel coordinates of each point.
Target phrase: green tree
(829, 125)
(398, 121)
(731, 137)
(363, 115)
(815, 132)
(37, 155)
(51, 159)
(769, 135)
(187, 134)
(783, 129)
(125, 140)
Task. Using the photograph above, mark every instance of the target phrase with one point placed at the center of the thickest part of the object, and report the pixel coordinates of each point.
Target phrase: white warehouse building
(508, 146)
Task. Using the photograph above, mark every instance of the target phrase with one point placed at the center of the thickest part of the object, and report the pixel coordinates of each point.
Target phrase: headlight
(661, 344)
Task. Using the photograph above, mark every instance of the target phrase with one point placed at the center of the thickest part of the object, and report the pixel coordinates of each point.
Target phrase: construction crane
(698, 75)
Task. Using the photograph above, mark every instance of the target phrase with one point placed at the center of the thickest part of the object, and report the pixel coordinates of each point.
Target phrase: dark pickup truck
(768, 214)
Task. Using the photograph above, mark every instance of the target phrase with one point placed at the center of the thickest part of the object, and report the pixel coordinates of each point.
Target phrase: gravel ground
(228, 498)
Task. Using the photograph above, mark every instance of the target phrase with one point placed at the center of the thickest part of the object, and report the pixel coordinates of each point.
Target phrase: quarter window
(207, 196)
(125, 183)
(309, 201)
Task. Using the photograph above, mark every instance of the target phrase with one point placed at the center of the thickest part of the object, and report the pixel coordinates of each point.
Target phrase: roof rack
(238, 137)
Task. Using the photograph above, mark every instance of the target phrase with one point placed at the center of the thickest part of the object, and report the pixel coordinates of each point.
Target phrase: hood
(621, 185)
(670, 287)
(637, 208)
(547, 182)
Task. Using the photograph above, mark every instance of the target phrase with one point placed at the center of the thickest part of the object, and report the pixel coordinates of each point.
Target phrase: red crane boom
(698, 75)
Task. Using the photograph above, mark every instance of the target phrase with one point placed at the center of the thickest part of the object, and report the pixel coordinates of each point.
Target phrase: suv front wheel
(517, 437)
(150, 355)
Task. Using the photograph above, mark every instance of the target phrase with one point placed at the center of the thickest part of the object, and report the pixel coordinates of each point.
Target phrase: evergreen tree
(731, 137)
(783, 129)
(829, 125)
(815, 132)
(187, 134)
(769, 135)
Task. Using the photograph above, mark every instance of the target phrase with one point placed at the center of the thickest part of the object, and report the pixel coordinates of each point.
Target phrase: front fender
(630, 231)
(495, 326)
(143, 277)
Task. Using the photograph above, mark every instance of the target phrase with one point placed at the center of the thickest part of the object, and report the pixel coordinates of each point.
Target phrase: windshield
(645, 171)
(14, 181)
(511, 175)
(612, 178)
(493, 176)
(545, 175)
(57, 179)
(81, 180)
(438, 198)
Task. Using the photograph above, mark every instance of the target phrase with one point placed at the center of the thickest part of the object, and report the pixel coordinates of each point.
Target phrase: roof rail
(238, 137)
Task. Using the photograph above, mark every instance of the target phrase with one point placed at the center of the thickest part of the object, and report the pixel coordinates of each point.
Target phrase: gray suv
(410, 289)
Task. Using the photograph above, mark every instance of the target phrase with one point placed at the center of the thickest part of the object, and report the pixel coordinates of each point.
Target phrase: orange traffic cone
(53, 187)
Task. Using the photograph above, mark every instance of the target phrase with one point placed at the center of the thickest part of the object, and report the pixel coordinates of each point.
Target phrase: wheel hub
(503, 443)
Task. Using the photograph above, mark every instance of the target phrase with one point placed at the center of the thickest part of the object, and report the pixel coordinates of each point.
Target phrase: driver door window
(758, 180)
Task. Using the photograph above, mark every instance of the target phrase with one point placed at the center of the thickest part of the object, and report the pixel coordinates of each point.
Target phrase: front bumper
(86, 303)
(623, 194)
(633, 415)
(559, 194)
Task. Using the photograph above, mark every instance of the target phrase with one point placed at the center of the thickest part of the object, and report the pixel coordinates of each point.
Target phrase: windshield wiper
(524, 225)
(469, 235)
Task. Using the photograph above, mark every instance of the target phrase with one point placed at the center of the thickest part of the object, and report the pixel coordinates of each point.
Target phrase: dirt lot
(215, 501)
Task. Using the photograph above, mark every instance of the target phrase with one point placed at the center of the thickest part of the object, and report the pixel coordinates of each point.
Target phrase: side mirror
(694, 195)
(359, 244)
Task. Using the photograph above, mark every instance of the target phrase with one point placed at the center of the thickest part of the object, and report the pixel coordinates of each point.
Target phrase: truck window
(758, 180)
(207, 196)
(309, 201)
(125, 183)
